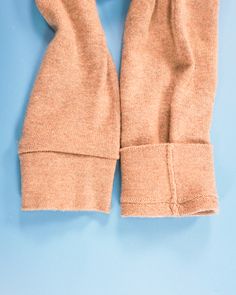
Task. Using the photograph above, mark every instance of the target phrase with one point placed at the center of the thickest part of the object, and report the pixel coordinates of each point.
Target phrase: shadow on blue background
(93, 253)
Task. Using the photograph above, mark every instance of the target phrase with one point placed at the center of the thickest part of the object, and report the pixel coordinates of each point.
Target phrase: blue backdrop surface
(44, 253)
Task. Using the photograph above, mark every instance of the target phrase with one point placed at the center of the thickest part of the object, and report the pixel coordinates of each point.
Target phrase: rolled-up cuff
(61, 181)
(168, 180)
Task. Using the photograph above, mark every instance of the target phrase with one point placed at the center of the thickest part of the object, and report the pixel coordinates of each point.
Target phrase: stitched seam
(154, 201)
(159, 145)
(62, 152)
(171, 175)
(135, 201)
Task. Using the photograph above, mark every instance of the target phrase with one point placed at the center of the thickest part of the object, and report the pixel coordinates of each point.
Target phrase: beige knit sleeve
(71, 133)
(168, 83)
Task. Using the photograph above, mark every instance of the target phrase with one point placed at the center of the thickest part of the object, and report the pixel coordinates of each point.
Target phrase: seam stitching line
(64, 153)
(150, 201)
(173, 204)
(135, 201)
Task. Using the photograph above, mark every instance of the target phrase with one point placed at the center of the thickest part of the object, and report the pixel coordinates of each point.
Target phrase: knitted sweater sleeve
(168, 83)
(71, 134)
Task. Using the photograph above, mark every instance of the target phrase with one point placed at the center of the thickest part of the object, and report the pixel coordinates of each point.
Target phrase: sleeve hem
(168, 180)
(66, 182)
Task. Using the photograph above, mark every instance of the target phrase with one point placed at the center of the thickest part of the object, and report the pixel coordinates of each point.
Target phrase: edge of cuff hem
(70, 209)
(205, 206)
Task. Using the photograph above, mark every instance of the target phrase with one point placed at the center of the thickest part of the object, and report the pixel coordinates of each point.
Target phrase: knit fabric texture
(156, 117)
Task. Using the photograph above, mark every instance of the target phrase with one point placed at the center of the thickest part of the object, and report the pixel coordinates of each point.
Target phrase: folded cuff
(168, 180)
(61, 181)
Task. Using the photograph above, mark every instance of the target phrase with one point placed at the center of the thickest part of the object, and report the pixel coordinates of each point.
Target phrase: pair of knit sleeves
(156, 117)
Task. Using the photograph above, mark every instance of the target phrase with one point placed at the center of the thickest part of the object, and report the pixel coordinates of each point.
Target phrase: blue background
(44, 253)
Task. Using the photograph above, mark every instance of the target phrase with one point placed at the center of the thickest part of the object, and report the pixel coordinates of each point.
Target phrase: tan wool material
(156, 117)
